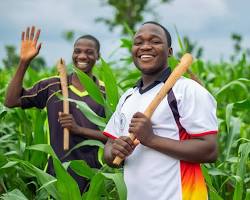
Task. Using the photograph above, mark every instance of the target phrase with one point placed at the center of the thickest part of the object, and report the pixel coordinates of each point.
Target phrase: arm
(197, 149)
(68, 121)
(29, 50)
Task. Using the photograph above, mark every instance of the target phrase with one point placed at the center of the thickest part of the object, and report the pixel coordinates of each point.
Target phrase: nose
(146, 46)
(82, 55)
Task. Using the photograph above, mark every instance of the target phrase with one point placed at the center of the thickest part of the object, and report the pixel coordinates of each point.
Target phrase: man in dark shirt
(42, 94)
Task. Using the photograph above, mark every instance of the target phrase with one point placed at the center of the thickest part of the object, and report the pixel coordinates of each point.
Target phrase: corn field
(24, 146)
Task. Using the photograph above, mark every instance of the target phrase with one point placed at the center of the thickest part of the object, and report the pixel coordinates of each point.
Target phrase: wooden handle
(64, 85)
(179, 70)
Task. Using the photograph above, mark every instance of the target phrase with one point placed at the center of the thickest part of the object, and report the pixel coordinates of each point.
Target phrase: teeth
(146, 57)
(82, 64)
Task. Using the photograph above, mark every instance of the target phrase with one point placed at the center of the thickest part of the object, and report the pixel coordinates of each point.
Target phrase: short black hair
(168, 36)
(90, 37)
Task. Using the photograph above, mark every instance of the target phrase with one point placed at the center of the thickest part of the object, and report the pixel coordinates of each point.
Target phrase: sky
(208, 22)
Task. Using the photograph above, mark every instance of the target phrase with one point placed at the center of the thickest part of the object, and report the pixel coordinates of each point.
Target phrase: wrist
(78, 130)
(24, 62)
(149, 142)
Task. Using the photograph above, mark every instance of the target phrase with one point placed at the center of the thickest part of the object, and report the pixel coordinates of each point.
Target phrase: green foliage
(68, 35)
(24, 149)
(12, 59)
(129, 12)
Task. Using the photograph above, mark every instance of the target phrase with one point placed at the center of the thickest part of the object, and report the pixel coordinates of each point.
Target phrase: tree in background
(12, 59)
(130, 12)
(191, 47)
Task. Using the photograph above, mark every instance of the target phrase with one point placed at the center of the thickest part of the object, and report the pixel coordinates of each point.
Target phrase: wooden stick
(64, 85)
(179, 70)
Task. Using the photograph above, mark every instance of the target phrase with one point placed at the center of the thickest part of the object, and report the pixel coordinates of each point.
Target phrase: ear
(98, 56)
(170, 52)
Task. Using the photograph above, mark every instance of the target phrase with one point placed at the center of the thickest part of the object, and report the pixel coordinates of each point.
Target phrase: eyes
(153, 41)
(87, 51)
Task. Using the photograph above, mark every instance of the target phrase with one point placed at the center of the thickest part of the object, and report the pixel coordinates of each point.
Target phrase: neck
(148, 79)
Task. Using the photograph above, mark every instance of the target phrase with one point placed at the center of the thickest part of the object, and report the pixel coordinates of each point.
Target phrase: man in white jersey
(180, 135)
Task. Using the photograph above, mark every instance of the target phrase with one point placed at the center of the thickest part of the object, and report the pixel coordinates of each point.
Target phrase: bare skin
(68, 121)
(29, 50)
(151, 41)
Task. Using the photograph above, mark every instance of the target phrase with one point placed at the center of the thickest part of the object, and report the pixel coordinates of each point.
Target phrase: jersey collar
(161, 79)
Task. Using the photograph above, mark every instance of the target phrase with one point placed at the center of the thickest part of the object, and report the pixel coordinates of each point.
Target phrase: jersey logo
(120, 121)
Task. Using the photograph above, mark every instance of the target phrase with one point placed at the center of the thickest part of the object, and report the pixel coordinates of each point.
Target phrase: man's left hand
(141, 127)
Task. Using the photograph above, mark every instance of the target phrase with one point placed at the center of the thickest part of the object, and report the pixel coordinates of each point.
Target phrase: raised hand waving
(29, 46)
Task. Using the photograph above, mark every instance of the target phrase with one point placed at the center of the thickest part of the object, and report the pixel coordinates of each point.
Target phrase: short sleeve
(197, 109)
(36, 96)
(111, 129)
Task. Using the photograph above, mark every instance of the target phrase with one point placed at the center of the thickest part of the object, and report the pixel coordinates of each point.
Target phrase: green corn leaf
(179, 41)
(44, 148)
(91, 87)
(42, 177)
(90, 114)
(238, 190)
(66, 185)
(213, 194)
(39, 117)
(233, 129)
(119, 183)
(85, 143)
(10, 164)
(111, 89)
(14, 195)
(96, 187)
(241, 82)
(82, 169)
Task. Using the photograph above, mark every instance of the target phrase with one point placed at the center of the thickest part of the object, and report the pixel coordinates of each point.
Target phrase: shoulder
(185, 84)
(127, 93)
(45, 83)
(188, 88)
(48, 80)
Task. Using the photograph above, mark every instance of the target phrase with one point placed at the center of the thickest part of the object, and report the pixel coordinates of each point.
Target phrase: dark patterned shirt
(43, 94)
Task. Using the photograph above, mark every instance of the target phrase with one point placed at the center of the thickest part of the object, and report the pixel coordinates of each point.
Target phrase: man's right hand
(122, 147)
(29, 46)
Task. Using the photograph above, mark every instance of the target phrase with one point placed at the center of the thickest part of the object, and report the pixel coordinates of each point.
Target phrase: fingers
(123, 147)
(138, 120)
(30, 33)
(64, 116)
(139, 115)
(27, 33)
(37, 36)
(66, 121)
(39, 47)
(23, 36)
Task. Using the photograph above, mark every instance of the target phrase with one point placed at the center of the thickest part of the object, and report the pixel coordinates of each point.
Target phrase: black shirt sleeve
(37, 95)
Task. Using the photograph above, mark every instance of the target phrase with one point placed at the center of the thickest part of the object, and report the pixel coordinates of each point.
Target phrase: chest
(162, 117)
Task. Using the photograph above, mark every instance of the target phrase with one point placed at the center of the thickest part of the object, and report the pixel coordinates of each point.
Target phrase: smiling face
(150, 49)
(85, 55)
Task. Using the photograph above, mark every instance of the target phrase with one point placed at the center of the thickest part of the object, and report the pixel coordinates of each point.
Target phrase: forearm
(198, 150)
(14, 90)
(91, 133)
